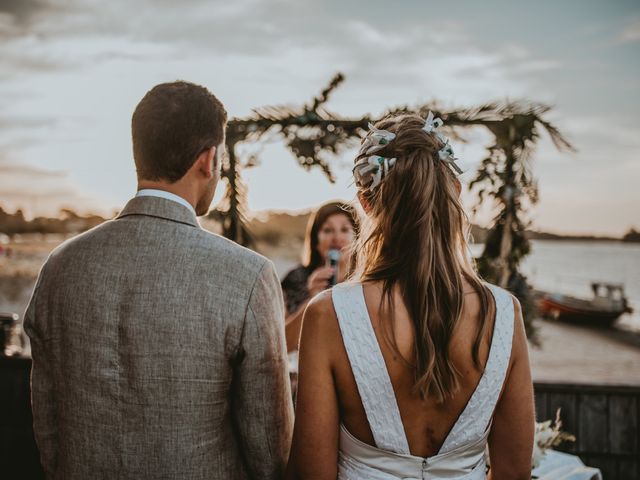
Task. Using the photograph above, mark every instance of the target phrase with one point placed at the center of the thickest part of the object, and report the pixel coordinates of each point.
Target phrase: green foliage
(313, 135)
(505, 175)
(631, 236)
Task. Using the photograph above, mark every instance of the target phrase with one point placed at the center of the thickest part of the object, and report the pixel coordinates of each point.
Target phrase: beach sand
(575, 354)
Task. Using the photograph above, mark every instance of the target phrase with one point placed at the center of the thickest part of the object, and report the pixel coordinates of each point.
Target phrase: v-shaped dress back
(461, 456)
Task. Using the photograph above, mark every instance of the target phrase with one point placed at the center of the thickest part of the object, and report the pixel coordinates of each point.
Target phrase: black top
(294, 288)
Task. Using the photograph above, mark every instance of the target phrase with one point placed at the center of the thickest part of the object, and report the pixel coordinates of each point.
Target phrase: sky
(72, 72)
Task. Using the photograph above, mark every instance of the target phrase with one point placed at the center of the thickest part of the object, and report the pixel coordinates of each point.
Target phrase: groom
(158, 347)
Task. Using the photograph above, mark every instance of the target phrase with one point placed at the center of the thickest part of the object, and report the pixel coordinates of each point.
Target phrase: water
(556, 266)
(570, 267)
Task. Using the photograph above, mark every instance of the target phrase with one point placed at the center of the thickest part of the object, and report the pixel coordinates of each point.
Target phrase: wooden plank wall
(19, 456)
(605, 420)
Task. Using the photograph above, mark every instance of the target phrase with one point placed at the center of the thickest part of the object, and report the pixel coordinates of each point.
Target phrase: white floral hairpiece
(432, 124)
(445, 154)
(370, 170)
(376, 140)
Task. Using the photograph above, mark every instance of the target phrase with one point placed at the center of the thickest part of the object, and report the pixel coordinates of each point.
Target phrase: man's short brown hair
(171, 126)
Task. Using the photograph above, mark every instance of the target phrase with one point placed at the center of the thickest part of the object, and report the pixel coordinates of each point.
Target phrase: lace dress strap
(477, 415)
(369, 369)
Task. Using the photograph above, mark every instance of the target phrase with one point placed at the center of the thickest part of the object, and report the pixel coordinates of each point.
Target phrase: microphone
(334, 257)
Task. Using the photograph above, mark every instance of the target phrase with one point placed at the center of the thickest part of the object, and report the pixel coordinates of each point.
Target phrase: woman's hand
(319, 280)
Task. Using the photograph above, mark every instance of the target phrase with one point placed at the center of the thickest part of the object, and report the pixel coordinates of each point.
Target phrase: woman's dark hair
(311, 257)
(171, 126)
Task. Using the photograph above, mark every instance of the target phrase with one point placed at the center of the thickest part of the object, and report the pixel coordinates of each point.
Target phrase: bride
(412, 369)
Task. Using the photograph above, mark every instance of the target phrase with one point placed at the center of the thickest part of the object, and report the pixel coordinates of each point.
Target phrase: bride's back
(428, 307)
(396, 355)
(426, 421)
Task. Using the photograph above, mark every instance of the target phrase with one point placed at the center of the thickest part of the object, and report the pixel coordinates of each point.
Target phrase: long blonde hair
(414, 236)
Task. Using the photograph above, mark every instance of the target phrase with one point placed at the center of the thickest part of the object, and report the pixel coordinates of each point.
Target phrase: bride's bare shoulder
(320, 327)
(320, 304)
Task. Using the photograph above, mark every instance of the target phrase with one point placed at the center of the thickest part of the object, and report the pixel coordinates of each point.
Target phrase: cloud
(19, 122)
(20, 17)
(629, 34)
(27, 172)
(21, 131)
(22, 10)
(363, 41)
(595, 189)
(39, 191)
(72, 70)
(40, 37)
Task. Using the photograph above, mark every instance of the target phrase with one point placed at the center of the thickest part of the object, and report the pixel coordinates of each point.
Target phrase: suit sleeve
(43, 400)
(263, 408)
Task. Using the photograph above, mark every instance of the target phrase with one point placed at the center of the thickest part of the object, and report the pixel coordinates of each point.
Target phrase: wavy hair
(414, 237)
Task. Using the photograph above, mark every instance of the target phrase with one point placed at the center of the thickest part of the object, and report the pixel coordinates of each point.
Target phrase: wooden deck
(604, 419)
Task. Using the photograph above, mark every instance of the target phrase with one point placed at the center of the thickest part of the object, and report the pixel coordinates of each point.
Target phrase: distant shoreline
(268, 226)
(480, 233)
(575, 238)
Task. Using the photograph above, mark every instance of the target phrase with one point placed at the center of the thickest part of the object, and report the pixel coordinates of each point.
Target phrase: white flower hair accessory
(445, 154)
(432, 124)
(376, 140)
(370, 170)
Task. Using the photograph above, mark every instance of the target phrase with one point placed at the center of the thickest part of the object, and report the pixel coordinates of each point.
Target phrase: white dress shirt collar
(150, 192)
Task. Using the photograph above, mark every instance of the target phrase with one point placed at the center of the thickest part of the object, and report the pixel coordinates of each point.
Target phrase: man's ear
(204, 162)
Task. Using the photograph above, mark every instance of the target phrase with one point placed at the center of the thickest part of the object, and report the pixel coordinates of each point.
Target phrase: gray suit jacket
(158, 353)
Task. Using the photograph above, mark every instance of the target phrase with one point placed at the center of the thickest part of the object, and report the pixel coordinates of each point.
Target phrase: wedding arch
(315, 135)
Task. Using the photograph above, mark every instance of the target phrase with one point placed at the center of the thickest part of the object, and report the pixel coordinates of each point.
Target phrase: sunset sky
(71, 73)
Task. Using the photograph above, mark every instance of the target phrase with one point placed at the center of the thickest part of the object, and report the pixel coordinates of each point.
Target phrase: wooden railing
(19, 457)
(605, 420)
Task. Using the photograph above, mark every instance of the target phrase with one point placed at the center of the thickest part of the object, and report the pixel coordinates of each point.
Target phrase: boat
(607, 304)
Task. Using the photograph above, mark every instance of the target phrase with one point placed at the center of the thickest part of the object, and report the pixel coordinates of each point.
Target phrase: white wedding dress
(462, 455)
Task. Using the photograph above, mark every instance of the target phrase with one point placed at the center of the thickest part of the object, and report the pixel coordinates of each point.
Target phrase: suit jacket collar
(160, 208)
